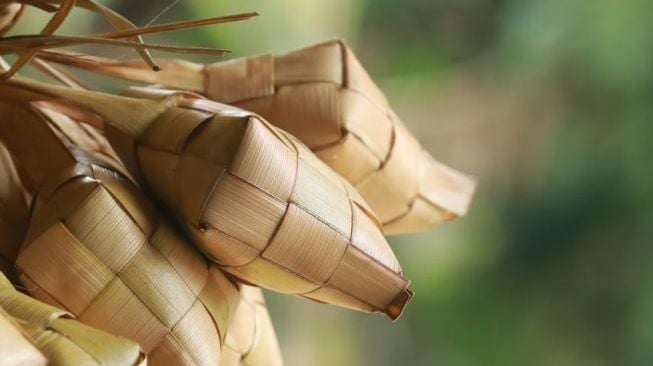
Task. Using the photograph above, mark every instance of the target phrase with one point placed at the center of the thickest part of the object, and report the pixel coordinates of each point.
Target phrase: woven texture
(251, 339)
(323, 96)
(81, 136)
(262, 206)
(62, 340)
(98, 249)
(13, 214)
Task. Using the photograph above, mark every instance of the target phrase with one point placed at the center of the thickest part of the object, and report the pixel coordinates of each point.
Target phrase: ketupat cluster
(322, 95)
(239, 201)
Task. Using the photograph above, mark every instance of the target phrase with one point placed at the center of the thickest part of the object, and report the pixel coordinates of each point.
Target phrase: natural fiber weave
(66, 124)
(98, 249)
(60, 339)
(13, 214)
(261, 205)
(251, 339)
(9, 14)
(323, 96)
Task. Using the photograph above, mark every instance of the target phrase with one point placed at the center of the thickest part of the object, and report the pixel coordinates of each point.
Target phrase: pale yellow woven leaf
(62, 340)
(16, 347)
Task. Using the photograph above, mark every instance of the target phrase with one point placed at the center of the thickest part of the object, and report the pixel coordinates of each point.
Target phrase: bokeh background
(550, 104)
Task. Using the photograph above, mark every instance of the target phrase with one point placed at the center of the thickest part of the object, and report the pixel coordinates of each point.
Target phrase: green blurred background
(550, 104)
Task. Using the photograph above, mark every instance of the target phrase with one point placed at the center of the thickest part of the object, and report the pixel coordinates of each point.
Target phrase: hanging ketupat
(250, 338)
(252, 197)
(96, 248)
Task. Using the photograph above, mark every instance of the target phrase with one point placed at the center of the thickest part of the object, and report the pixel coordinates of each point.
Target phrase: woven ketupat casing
(262, 206)
(13, 214)
(44, 334)
(96, 248)
(323, 96)
(251, 339)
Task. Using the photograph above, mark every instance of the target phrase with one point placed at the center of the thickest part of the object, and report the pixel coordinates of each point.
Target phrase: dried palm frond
(323, 95)
(254, 198)
(27, 46)
(97, 248)
(121, 23)
(9, 14)
(251, 339)
(34, 333)
(57, 19)
(115, 19)
(13, 214)
(17, 44)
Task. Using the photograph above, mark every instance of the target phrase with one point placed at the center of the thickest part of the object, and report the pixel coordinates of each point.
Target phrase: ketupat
(39, 333)
(250, 338)
(97, 248)
(261, 204)
(253, 197)
(322, 95)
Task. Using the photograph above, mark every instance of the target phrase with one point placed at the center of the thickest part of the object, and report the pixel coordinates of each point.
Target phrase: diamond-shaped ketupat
(98, 249)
